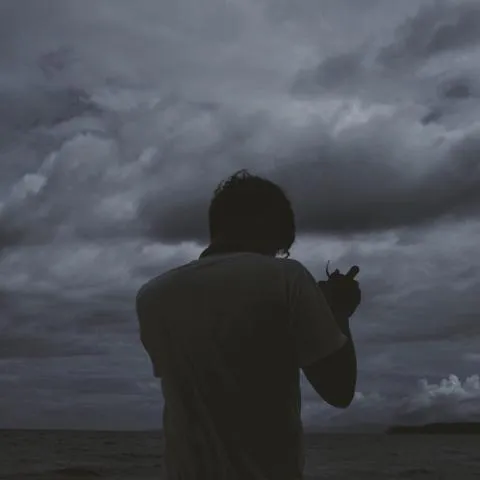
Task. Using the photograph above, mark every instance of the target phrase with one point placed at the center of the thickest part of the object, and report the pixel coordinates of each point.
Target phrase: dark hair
(253, 213)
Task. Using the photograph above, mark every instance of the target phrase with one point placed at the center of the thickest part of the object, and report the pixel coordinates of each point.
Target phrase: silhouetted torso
(218, 330)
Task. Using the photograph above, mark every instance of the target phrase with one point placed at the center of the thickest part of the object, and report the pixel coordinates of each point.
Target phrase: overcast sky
(118, 119)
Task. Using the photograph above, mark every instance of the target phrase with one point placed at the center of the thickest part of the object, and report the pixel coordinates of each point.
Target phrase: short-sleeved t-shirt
(227, 335)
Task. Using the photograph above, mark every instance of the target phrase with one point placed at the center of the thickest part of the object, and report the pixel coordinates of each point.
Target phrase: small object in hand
(352, 273)
(342, 291)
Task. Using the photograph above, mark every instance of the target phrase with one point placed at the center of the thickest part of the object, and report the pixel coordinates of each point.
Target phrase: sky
(119, 118)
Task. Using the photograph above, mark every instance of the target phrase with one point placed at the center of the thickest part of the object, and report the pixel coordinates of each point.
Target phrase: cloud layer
(116, 124)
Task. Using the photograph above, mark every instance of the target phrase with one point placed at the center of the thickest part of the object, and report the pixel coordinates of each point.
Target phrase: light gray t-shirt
(227, 335)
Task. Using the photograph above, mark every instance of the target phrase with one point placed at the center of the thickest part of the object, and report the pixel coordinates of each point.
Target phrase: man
(228, 333)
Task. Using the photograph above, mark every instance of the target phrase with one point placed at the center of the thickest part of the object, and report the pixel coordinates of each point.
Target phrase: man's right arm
(334, 377)
(325, 349)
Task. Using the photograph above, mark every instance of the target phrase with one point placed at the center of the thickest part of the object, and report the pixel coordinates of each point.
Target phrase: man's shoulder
(155, 284)
(296, 273)
(291, 265)
(143, 291)
(150, 287)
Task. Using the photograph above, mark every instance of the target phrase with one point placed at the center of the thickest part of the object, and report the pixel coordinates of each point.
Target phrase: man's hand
(342, 293)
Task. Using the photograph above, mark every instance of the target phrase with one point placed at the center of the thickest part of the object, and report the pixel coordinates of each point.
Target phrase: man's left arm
(148, 330)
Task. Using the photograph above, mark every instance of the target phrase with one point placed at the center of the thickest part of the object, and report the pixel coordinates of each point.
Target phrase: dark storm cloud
(346, 187)
(34, 346)
(357, 181)
(21, 111)
(89, 385)
(363, 194)
(54, 326)
(117, 122)
(171, 130)
(433, 29)
(181, 219)
(465, 327)
(458, 88)
(437, 28)
(333, 73)
(439, 315)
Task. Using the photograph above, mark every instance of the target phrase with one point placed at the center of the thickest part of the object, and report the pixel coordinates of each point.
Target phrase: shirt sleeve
(148, 330)
(315, 330)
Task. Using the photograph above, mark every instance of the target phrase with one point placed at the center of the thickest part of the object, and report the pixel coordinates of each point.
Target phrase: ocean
(55, 455)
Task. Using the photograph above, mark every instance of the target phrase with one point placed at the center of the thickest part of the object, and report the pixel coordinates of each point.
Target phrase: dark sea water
(53, 455)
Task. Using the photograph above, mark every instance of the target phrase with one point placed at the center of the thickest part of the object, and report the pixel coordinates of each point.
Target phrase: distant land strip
(465, 428)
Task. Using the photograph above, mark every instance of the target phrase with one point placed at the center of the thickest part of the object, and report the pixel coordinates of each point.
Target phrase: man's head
(252, 213)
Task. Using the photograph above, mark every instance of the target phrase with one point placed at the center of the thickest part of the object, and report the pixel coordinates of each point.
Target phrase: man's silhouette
(228, 334)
